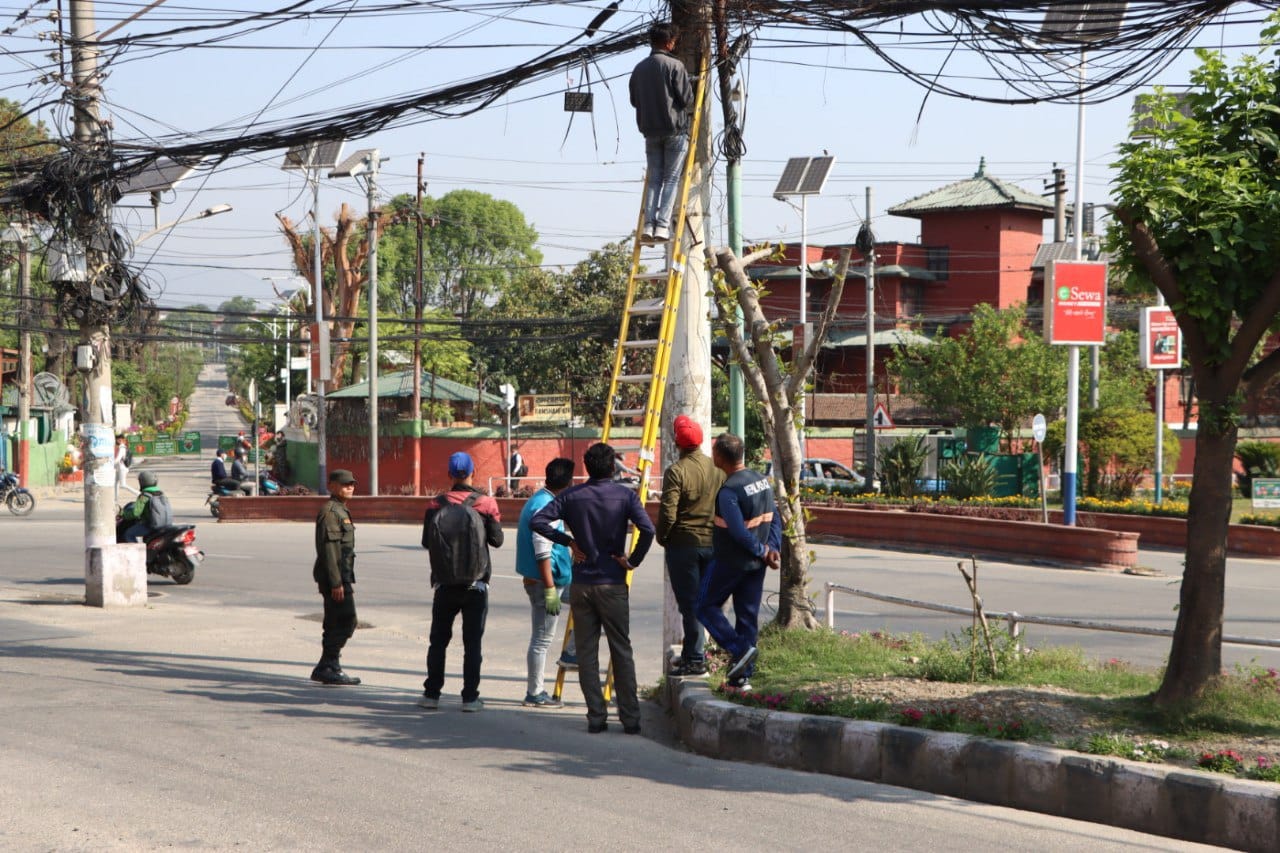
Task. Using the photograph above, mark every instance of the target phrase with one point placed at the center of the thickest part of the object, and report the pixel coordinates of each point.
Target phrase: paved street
(191, 722)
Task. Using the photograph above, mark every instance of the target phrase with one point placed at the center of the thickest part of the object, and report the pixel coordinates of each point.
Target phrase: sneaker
(542, 700)
(685, 668)
(473, 706)
(740, 664)
(661, 234)
(646, 236)
(429, 703)
(597, 728)
(568, 660)
(739, 683)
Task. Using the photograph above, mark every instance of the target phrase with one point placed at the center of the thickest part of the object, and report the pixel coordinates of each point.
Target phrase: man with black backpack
(457, 531)
(147, 513)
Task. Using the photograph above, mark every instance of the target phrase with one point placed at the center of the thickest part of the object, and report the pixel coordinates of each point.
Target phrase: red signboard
(1076, 303)
(1161, 339)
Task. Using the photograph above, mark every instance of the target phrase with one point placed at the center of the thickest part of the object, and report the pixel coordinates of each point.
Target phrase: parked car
(828, 475)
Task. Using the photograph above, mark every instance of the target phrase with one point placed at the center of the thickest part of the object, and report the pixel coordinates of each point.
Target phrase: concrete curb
(1208, 808)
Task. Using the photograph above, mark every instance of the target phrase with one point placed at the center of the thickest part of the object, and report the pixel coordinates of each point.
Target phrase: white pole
(321, 456)
(1159, 472)
(374, 159)
(804, 314)
(1069, 465)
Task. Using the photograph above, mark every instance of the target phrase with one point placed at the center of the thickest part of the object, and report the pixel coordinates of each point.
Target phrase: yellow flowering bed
(1133, 506)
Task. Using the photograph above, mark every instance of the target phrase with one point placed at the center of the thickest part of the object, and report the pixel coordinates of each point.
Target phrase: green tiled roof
(981, 192)
(401, 385)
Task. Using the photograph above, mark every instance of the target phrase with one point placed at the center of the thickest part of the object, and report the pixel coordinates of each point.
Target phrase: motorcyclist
(240, 471)
(138, 520)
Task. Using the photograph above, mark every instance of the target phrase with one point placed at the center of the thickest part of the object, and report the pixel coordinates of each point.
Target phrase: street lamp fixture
(204, 214)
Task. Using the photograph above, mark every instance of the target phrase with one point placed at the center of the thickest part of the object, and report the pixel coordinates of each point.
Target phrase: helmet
(148, 479)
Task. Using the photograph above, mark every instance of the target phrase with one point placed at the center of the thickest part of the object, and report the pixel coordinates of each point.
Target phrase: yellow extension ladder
(636, 389)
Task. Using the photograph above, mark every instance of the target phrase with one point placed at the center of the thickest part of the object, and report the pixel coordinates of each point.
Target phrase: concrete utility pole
(23, 461)
(417, 341)
(689, 375)
(374, 160)
(94, 353)
(870, 462)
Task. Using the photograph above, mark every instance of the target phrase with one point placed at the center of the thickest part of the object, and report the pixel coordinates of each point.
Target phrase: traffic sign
(1038, 428)
(881, 419)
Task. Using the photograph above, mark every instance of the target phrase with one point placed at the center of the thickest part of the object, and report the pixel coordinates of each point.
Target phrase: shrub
(970, 476)
(901, 464)
(1259, 459)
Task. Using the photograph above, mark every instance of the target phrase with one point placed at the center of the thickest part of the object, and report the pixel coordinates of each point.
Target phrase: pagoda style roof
(981, 192)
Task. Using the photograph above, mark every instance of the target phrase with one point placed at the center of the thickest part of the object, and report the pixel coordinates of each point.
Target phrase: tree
(998, 372)
(22, 142)
(340, 295)
(1198, 203)
(476, 247)
(778, 387)
(1118, 448)
(564, 327)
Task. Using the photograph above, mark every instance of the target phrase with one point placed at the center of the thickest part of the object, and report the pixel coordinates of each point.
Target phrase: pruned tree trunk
(779, 387)
(340, 296)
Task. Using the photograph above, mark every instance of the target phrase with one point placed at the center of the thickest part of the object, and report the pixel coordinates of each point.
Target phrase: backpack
(457, 542)
(128, 456)
(158, 512)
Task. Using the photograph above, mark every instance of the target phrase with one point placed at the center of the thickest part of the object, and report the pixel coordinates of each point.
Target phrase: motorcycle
(172, 553)
(267, 486)
(19, 500)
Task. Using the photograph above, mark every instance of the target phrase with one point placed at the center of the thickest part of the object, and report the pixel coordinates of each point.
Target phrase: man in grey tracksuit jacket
(662, 94)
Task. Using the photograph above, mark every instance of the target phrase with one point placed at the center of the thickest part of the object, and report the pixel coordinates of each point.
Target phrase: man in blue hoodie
(546, 569)
(595, 516)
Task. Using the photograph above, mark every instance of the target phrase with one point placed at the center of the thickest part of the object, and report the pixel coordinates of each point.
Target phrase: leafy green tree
(998, 372)
(552, 332)
(475, 246)
(1198, 203)
(1117, 449)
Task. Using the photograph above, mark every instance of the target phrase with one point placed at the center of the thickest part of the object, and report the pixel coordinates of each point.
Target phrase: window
(911, 299)
(937, 260)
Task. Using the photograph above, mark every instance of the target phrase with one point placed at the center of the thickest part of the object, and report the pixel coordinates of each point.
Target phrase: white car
(828, 473)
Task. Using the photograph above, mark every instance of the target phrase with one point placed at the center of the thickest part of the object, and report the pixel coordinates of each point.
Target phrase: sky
(577, 177)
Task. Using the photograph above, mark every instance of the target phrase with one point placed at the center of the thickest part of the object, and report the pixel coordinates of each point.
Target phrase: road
(191, 723)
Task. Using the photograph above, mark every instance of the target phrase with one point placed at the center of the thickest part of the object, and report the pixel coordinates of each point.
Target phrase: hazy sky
(577, 182)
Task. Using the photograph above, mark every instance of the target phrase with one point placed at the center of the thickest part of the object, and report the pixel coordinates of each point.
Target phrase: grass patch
(820, 672)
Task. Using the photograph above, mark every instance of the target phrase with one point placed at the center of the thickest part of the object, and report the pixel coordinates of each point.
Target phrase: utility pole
(733, 179)
(24, 352)
(689, 376)
(417, 342)
(1058, 189)
(94, 353)
(869, 247)
(374, 161)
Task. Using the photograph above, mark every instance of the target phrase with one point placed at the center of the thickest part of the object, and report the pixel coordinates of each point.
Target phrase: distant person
(662, 95)
(546, 568)
(240, 471)
(747, 536)
(218, 469)
(458, 530)
(686, 519)
(335, 575)
(121, 460)
(595, 515)
(516, 469)
(146, 513)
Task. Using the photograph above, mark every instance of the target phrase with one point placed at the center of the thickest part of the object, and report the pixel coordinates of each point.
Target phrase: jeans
(543, 630)
(720, 582)
(339, 624)
(665, 156)
(607, 607)
(473, 604)
(685, 567)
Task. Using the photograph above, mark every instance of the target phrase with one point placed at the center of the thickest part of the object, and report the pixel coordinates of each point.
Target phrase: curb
(1207, 808)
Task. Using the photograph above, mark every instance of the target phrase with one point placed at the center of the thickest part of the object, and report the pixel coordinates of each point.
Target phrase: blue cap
(460, 465)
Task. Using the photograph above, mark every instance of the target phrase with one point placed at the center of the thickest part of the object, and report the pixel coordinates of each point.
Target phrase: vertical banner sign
(1076, 310)
(1161, 339)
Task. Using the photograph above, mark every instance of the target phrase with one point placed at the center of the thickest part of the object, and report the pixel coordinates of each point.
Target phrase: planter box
(1080, 546)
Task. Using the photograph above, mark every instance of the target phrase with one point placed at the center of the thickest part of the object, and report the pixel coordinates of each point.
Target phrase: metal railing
(1017, 620)
(512, 483)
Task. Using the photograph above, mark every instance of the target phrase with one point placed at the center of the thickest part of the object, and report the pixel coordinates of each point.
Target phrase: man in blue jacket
(662, 95)
(595, 516)
(546, 569)
(746, 538)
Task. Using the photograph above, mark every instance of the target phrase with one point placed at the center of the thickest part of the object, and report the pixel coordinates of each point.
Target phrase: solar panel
(162, 174)
(804, 176)
(317, 154)
(354, 164)
(789, 183)
(1083, 22)
(816, 175)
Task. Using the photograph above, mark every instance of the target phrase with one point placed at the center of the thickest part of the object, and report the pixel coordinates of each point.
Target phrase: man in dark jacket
(595, 516)
(685, 522)
(471, 598)
(662, 94)
(335, 573)
(747, 537)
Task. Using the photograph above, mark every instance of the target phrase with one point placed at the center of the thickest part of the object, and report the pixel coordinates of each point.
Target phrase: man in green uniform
(334, 573)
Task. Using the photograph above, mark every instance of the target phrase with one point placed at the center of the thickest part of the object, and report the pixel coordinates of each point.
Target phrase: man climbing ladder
(661, 94)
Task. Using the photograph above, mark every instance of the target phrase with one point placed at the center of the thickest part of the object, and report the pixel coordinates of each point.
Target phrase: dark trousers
(339, 624)
(720, 582)
(596, 607)
(449, 601)
(685, 567)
